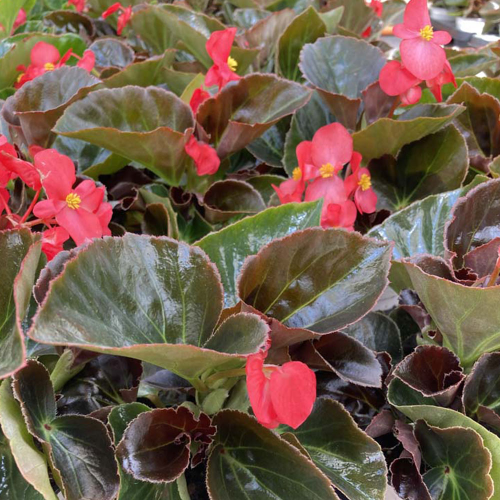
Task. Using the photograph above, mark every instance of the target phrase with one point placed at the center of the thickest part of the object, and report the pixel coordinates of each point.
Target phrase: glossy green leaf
(419, 228)
(445, 450)
(70, 439)
(388, 136)
(40, 103)
(466, 317)
(229, 247)
(357, 16)
(15, 294)
(145, 125)
(28, 460)
(164, 316)
(434, 164)
(20, 49)
(252, 462)
(307, 27)
(244, 110)
(340, 68)
(353, 461)
(378, 332)
(318, 279)
(269, 147)
(111, 52)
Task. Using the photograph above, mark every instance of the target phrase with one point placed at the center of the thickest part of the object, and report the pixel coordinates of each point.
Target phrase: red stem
(30, 208)
(6, 205)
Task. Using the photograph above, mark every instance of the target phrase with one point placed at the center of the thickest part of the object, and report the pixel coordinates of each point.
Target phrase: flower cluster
(320, 162)
(220, 74)
(123, 18)
(45, 57)
(422, 57)
(70, 210)
(280, 394)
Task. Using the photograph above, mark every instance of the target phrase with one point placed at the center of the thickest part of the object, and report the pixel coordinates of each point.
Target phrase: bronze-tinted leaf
(318, 279)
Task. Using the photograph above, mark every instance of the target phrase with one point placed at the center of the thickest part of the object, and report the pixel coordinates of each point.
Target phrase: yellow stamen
(327, 170)
(427, 33)
(20, 77)
(73, 201)
(232, 63)
(365, 182)
(49, 66)
(297, 174)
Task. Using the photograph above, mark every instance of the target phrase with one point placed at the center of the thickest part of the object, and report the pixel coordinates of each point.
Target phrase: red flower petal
(293, 392)
(331, 189)
(395, 80)
(339, 215)
(401, 31)
(204, 156)
(441, 37)
(25, 170)
(422, 58)
(47, 209)
(331, 144)
(290, 191)
(111, 10)
(53, 240)
(80, 224)
(366, 201)
(416, 15)
(90, 195)
(258, 387)
(87, 61)
(58, 173)
(219, 45)
(412, 96)
(199, 96)
(43, 53)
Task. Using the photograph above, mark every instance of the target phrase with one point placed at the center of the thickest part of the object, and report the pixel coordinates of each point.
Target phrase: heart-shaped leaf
(340, 68)
(229, 247)
(71, 439)
(419, 228)
(17, 276)
(283, 472)
(307, 27)
(388, 136)
(164, 316)
(244, 110)
(353, 461)
(145, 125)
(434, 164)
(41, 102)
(26, 458)
(318, 279)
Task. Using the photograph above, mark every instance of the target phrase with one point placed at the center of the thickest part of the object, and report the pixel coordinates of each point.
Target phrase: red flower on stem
(80, 210)
(45, 57)
(123, 18)
(395, 80)
(280, 394)
(53, 240)
(421, 51)
(204, 156)
(360, 183)
(446, 76)
(219, 47)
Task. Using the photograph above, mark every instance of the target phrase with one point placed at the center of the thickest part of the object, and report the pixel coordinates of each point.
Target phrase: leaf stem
(30, 208)
(495, 273)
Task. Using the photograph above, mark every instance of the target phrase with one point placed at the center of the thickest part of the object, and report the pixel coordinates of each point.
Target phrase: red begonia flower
(87, 61)
(20, 19)
(79, 4)
(11, 167)
(280, 394)
(123, 18)
(5, 147)
(446, 76)
(78, 210)
(378, 8)
(395, 80)
(219, 47)
(411, 96)
(359, 183)
(204, 156)
(421, 51)
(292, 189)
(199, 96)
(53, 240)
